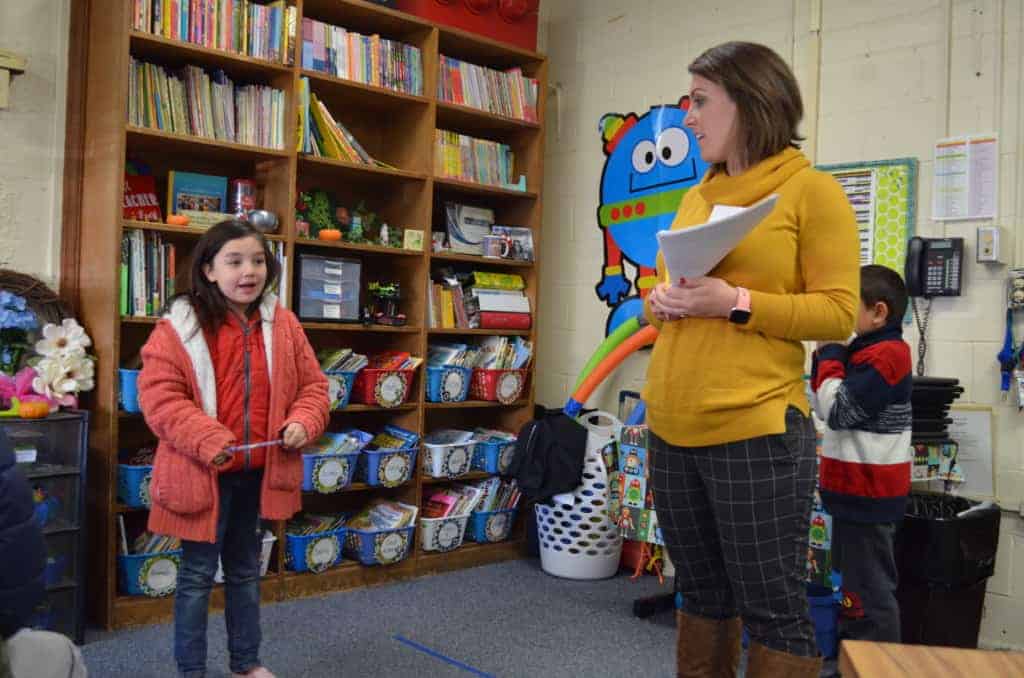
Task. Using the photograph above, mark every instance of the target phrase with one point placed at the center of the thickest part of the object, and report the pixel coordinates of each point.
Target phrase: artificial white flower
(81, 371)
(52, 380)
(67, 339)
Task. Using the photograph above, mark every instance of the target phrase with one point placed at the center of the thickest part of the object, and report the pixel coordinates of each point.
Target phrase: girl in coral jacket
(227, 367)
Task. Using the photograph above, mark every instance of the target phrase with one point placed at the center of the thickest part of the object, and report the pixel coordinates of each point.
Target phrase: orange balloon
(644, 337)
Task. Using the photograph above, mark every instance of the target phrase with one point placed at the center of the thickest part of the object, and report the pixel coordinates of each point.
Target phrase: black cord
(922, 328)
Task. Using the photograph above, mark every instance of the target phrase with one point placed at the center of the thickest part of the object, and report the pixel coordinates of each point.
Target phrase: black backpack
(548, 457)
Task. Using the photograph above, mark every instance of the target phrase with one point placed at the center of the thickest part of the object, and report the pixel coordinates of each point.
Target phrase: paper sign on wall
(966, 178)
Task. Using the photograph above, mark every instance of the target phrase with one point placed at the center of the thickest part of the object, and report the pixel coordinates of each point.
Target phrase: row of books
(147, 542)
(313, 523)
(194, 102)
(369, 59)
(467, 158)
(478, 301)
(341, 360)
(493, 353)
(383, 514)
(264, 31)
(393, 361)
(459, 499)
(321, 135)
(148, 270)
(506, 93)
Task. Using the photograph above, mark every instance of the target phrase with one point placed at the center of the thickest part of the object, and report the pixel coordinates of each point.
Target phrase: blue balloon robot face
(647, 172)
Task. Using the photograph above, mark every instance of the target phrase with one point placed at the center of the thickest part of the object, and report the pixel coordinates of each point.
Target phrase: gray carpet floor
(508, 620)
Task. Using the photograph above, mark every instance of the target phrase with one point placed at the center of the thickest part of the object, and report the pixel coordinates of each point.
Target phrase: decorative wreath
(43, 301)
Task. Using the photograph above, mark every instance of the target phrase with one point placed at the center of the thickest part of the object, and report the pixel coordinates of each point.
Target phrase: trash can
(945, 553)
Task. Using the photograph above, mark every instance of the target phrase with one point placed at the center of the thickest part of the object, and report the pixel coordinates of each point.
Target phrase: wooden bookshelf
(396, 128)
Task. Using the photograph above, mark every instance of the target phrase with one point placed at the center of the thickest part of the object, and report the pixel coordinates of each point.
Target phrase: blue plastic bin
(331, 472)
(53, 571)
(493, 456)
(379, 547)
(129, 390)
(47, 511)
(133, 485)
(825, 615)
(314, 552)
(339, 387)
(491, 526)
(149, 574)
(448, 383)
(387, 468)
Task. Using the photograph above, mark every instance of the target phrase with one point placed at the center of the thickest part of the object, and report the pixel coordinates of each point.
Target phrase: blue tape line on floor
(438, 655)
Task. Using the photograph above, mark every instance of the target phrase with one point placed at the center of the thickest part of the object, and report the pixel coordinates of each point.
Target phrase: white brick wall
(894, 77)
(32, 137)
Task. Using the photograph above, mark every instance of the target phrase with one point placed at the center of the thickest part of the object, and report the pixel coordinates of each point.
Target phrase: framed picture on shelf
(520, 239)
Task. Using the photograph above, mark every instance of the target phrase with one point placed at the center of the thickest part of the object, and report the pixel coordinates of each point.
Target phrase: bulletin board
(884, 198)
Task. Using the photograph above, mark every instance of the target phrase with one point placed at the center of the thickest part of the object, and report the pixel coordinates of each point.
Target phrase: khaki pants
(41, 654)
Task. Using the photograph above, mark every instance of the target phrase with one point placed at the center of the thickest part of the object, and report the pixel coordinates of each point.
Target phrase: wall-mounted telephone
(934, 267)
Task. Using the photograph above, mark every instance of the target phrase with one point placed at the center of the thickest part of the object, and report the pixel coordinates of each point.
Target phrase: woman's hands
(699, 298)
(295, 436)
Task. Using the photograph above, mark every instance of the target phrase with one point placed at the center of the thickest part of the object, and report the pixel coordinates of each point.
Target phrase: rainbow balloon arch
(628, 338)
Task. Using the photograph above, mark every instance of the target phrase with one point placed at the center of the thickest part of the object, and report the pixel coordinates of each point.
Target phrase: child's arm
(167, 404)
(854, 389)
(311, 408)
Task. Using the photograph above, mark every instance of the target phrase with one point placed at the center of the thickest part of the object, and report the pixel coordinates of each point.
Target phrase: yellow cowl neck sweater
(710, 381)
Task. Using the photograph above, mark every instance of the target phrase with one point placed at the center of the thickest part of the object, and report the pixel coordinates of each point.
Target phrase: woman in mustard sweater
(733, 446)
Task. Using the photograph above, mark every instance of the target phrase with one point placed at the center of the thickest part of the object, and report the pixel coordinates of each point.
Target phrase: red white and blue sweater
(863, 392)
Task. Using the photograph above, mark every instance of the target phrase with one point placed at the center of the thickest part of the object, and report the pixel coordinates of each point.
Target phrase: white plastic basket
(580, 540)
(268, 543)
(442, 534)
(447, 460)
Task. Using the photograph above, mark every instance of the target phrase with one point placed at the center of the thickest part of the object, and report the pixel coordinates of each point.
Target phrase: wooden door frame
(74, 154)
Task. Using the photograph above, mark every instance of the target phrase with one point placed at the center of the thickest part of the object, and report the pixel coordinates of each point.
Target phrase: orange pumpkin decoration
(33, 409)
(329, 234)
(177, 220)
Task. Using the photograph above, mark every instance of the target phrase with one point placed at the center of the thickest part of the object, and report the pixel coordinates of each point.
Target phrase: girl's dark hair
(206, 298)
(766, 94)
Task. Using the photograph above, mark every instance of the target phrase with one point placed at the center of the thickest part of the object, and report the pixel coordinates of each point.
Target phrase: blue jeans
(238, 544)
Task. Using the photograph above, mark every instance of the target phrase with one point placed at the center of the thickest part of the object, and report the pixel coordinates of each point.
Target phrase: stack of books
(393, 361)
(148, 270)
(497, 494)
(193, 102)
(260, 30)
(393, 438)
(466, 158)
(503, 353)
(341, 360)
(313, 523)
(451, 354)
(147, 542)
(501, 300)
(506, 93)
(322, 136)
(369, 59)
(455, 500)
(382, 514)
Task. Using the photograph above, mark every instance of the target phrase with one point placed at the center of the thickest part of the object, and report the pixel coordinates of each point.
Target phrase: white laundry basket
(581, 541)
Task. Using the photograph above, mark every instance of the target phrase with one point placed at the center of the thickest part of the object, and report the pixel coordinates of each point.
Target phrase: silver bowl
(262, 220)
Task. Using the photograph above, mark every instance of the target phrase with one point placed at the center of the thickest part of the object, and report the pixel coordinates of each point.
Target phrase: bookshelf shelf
(152, 47)
(362, 94)
(474, 121)
(392, 126)
(472, 475)
(480, 261)
(357, 247)
(474, 190)
(142, 139)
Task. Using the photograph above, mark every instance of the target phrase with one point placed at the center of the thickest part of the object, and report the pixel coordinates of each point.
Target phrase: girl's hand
(295, 436)
(698, 298)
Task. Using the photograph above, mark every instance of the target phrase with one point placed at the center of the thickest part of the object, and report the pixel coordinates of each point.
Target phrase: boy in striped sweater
(863, 392)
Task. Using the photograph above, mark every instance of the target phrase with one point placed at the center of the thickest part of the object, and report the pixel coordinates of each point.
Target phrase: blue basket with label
(494, 451)
(448, 383)
(491, 526)
(386, 467)
(133, 485)
(379, 546)
(330, 463)
(315, 552)
(149, 574)
(339, 387)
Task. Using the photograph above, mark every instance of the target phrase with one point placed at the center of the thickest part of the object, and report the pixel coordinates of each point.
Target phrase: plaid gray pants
(735, 519)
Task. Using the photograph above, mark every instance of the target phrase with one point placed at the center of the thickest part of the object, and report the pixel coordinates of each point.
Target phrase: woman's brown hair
(766, 94)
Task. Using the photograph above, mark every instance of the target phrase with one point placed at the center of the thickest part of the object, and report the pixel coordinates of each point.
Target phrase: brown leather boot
(707, 648)
(764, 662)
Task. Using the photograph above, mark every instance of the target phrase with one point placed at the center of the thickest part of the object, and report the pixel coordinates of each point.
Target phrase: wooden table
(860, 659)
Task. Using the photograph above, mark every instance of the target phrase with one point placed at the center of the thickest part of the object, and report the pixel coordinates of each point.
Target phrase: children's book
(198, 192)
(140, 201)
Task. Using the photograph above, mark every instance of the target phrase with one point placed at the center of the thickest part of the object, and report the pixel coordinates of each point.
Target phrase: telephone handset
(934, 267)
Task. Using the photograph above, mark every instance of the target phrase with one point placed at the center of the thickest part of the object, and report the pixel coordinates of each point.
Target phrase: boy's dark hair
(208, 301)
(881, 283)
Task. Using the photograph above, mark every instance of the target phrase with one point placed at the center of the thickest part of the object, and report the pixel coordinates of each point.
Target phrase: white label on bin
(334, 289)
(322, 553)
(329, 474)
(497, 527)
(391, 547)
(508, 386)
(451, 385)
(458, 458)
(505, 458)
(25, 455)
(332, 311)
(332, 269)
(448, 535)
(158, 576)
(391, 389)
(394, 468)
